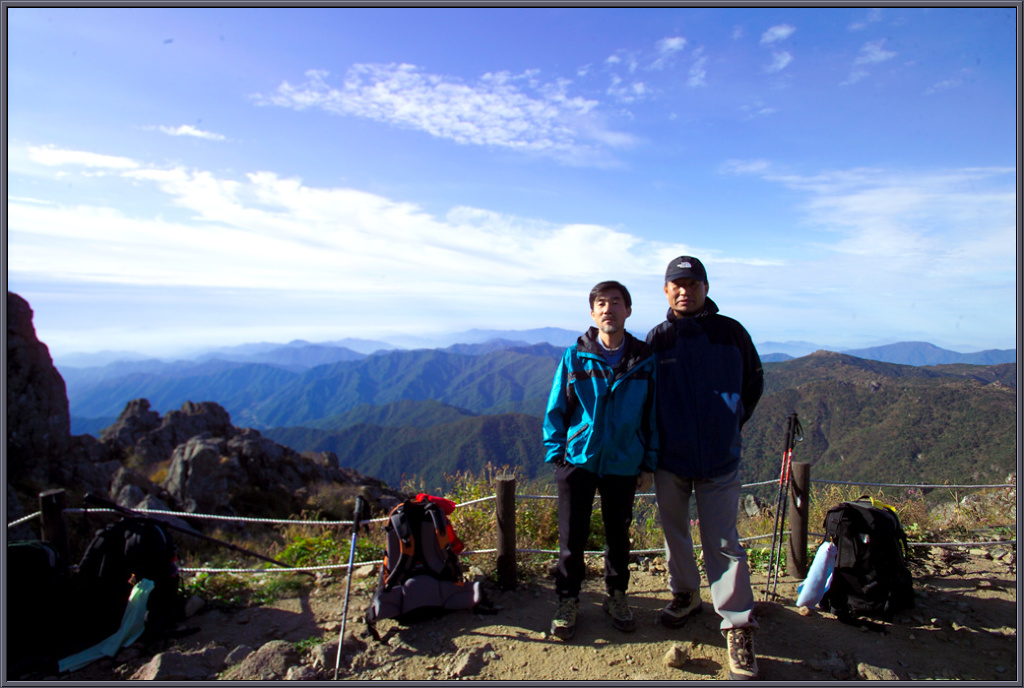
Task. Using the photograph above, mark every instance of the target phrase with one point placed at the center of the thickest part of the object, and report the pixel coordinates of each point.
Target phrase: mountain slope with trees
(864, 420)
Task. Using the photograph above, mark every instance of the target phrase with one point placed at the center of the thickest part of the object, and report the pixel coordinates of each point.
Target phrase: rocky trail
(963, 627)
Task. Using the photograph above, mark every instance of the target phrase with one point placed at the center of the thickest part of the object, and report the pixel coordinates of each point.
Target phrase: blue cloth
(601, 417)
(133, 622)
(819, 576)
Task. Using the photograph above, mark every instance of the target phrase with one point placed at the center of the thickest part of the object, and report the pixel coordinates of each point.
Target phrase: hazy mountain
(550, 335)
(480, 384)
(396, 454)
(418, 414)
(235, 386)
(863, 421)
(485, 347)
(923, 353)
(793, 349)
(297, 355)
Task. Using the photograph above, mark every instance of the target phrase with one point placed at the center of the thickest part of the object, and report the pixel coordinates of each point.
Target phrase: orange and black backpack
(421, 575)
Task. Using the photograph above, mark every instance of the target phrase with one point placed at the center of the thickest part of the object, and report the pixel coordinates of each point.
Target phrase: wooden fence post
(799, 509)
(52, 527)
(505, 513)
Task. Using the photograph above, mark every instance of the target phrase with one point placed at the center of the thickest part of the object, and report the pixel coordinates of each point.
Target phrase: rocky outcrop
(38, 422)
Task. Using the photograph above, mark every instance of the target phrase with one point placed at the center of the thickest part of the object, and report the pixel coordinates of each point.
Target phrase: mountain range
(401, 414)
(300, 353)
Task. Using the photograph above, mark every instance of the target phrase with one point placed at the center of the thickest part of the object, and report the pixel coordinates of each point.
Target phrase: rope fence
(339, 523)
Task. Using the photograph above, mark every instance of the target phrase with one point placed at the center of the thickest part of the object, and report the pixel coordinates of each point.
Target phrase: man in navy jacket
(709, 381)
(599, 432)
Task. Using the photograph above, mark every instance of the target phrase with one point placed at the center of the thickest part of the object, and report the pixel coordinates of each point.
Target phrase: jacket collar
(635, 349)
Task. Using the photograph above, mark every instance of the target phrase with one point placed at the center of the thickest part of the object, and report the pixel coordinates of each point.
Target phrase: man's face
(610, 311)
(686, 296)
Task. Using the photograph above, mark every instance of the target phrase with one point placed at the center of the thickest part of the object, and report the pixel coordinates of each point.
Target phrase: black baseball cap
(686, 267)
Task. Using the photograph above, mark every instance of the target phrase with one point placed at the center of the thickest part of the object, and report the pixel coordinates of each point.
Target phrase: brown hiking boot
(742, 662)
(563, 625)
(618, 608)
(680, 609)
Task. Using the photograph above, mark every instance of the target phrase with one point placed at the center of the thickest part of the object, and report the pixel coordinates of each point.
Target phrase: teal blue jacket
(599, 417)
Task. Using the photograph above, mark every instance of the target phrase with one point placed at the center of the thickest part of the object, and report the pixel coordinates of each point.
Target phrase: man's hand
(644, 480)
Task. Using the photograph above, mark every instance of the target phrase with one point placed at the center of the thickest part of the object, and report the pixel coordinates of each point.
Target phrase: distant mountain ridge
(300, 354)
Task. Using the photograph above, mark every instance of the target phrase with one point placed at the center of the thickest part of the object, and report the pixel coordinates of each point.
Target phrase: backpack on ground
(120, 555)
(421, 575)
(870, 578)
(37, 603)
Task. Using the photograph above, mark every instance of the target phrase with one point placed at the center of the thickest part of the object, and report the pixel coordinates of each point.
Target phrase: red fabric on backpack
(447, 506)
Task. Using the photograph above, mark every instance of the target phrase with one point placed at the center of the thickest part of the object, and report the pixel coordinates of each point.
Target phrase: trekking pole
(356, 520)
(91, 498)
(778, 503)
(795, 435)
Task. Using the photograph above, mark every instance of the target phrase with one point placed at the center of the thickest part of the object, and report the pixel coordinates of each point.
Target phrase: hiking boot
(742, 662)
(618, 608)
(680, 609)
(564, 623)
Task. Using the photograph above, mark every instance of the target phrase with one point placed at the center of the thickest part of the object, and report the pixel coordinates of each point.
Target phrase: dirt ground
(964, 626)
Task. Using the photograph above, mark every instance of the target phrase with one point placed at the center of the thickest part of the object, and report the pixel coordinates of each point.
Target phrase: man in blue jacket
(709, 381)
(600, 433)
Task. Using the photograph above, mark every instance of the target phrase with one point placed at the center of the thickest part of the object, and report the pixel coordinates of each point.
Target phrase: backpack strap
(407, 546)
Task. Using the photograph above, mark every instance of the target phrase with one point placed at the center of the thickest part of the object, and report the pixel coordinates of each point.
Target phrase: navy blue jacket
(599, 417)
(709, 381)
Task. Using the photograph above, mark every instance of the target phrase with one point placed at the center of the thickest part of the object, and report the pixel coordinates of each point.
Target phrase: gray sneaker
(680, 609)
(618, 608)
(742, 662)
(564, 623)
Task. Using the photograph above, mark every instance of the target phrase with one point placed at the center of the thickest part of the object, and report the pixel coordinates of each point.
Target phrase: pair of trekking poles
(794, 433)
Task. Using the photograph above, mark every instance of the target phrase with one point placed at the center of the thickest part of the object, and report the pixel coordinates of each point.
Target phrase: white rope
(24, 519)
(950, 487)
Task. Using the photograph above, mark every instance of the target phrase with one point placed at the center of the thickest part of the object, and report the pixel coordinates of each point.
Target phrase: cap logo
(684, 265)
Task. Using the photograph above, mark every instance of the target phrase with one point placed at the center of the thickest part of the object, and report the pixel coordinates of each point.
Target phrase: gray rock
(268, 663)
(868, 672)
(182, 666)
(302, 673)
(237, 655)
(323, 655)
(677, 655)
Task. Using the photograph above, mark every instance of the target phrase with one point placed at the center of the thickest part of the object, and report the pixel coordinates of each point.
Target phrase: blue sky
(190, 177)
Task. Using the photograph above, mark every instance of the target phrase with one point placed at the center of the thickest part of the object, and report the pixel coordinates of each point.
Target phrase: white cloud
(495, 111)
(874, 15)
(870, 54)
(698, 70)
(52, 156)
(626, 92)
(779, 62)
(894, 253)
(777, 33)
(873, 53)
(268, 232)
(666, 50)
(189, 130)
(623, 57)
(944, 85)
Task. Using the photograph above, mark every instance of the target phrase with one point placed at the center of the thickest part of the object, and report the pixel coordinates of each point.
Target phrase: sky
(189, 177)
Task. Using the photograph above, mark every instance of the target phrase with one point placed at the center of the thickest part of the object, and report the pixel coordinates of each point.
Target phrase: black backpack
(871, 578)
(37, 604)
(421, 575)
(120, 555)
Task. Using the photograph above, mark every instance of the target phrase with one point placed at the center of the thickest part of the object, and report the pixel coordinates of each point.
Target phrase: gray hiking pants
(724, 558)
